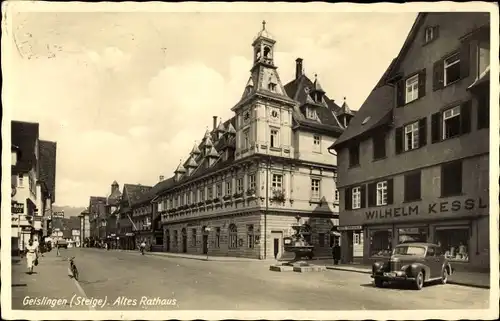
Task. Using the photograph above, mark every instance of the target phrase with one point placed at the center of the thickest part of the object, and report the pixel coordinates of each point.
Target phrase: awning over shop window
(335, 233)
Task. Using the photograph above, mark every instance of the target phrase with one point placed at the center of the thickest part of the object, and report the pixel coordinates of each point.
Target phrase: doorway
(277, 247)
(184, 240)
(167, 240)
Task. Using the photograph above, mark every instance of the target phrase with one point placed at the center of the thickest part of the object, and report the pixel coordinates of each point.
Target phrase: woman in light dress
(31, 255)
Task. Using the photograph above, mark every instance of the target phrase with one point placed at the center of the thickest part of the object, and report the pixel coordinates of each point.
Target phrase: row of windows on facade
(453, 240)
(192, 197)
(448, 124)
(449, 69)
(381, 192)
(274, 139)
(251, 237)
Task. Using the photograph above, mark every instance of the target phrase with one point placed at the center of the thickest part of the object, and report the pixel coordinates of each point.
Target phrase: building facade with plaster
(414, 163)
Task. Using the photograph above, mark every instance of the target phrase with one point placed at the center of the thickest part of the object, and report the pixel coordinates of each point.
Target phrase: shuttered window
(451, 178)
(452, 68)
(452, 122)
(412, 187)
(411, 136)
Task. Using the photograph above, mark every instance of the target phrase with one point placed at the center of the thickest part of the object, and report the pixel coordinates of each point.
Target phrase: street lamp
(207, 230)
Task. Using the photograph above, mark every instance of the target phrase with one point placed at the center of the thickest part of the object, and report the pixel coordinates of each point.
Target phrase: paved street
(216, 285)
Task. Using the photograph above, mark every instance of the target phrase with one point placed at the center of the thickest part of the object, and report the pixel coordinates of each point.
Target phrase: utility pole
(267, 205)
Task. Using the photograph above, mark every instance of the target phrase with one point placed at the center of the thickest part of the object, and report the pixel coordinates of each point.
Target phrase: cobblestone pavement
(184, 284)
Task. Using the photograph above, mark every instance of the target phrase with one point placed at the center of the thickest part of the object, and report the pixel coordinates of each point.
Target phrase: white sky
(125, 95)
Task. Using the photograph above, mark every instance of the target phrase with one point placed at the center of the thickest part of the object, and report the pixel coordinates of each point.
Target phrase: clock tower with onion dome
(264, 112)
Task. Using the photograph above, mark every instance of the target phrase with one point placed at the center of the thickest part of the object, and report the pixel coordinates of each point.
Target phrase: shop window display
(381, 242)
(413, 234)
(454, 242)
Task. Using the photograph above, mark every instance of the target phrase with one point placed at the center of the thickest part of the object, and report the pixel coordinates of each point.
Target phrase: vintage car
(415, 263)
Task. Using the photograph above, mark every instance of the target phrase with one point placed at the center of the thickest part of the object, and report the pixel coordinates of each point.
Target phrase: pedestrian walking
(31, 256)
(143, 247)
(57, 247)
(336, 253)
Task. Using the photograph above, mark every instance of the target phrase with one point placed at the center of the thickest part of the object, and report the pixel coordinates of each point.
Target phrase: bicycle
(73, 269)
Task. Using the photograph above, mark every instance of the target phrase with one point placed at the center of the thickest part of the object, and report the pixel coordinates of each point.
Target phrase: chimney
(215, 122)
(162, 178)
(298, 68)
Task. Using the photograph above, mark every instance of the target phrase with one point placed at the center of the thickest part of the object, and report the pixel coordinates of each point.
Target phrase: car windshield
(409, 250)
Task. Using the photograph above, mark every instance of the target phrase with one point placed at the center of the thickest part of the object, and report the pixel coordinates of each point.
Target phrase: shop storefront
(460, 226)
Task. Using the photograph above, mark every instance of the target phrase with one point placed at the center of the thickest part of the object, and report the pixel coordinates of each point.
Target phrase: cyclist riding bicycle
(143, 247)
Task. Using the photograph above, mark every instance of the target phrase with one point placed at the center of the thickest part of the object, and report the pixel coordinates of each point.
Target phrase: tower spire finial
(263, 25)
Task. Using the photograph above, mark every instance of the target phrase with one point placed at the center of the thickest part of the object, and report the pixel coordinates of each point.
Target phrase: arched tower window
(267, 52)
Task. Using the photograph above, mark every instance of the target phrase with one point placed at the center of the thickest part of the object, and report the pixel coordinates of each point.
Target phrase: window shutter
(372, 194)
(390, 192)
(418, 184)
(483, 112)
(400, 93)
(421, 83)
(436, 32)
(438, 75)
(436, 128)
(399, 140)
(422, 132)
(464, 60)
(465, 117)
(348, 198)
(363, 195)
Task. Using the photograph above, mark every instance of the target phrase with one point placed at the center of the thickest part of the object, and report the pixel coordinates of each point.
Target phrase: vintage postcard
(306, 161)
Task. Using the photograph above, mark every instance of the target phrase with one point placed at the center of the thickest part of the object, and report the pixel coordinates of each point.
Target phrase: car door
(433, 262)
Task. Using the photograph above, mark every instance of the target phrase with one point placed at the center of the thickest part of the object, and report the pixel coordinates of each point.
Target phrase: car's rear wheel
(444, 276)
(419, 280)
(379, 283)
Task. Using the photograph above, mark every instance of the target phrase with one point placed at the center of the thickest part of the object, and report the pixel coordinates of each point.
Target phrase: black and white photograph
(312, 161)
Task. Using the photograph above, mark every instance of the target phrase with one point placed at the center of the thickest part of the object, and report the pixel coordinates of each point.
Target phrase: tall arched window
(306, 232)
(176, 237)
(233, 236)
(250, 236)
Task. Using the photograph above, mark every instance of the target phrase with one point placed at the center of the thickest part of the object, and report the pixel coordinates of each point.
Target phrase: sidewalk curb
(347, 270)
(166, 254)
(479, 286)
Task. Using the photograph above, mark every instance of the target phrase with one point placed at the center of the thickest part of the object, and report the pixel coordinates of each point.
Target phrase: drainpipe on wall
(267, 206)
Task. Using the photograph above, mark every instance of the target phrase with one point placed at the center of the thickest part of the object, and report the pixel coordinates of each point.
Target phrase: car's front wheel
(444, 276)
(419, 281)
(379, 283)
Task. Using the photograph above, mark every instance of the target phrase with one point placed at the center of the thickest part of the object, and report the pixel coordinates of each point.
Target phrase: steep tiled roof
(94, 203)
(299, 90)
(375, 111)
(136, 192)
(24, 135)
(404, 49)
(48, 151)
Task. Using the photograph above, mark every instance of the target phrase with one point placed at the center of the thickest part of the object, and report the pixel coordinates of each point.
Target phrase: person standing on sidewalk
(31, 255)
(57, 247)
(336, 253)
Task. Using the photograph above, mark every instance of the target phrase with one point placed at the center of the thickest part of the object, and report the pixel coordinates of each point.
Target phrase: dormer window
(310, 113)
(271, 86)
